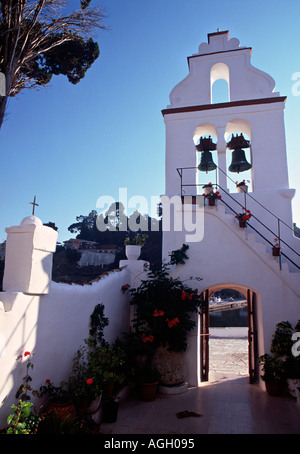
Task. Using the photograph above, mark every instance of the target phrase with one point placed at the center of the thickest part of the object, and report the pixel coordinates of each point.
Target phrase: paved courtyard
(227, 404)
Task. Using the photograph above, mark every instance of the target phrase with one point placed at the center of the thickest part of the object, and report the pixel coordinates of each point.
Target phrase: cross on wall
(34, 205)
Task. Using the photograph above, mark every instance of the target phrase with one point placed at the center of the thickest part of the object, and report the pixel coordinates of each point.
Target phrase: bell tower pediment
(221, 58)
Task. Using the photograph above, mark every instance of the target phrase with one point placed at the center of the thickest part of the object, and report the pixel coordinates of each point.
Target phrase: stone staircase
(287, 272)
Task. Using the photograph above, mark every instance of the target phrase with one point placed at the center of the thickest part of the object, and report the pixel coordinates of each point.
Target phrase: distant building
(75, 243)
(92, 253)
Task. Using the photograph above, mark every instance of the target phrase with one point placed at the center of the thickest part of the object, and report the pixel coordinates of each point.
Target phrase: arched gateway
(231, 231)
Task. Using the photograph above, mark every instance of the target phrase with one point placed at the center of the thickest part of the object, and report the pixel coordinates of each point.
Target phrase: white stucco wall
(53, 326)
(230, 257)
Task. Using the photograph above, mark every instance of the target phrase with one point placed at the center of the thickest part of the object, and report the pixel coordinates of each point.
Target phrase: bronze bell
(239, 162)
(206, 163)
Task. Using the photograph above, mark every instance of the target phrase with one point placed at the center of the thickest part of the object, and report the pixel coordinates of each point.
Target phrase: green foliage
(72, 255)
(273, 368)
(163, 311)
(71, 59)
(281, 363)
(282, 339)
(179, 256)
(22, 421)
(136, 240)
(58, 394)
(51, 424)
(98, 321)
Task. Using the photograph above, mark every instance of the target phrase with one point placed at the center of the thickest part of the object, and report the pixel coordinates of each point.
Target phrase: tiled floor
(227, 404)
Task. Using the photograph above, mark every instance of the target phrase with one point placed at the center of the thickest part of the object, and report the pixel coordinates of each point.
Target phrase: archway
(241, 298)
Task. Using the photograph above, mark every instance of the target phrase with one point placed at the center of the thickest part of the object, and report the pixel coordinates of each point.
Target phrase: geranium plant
(241, 183)
(244, 216)
(213, 195)
(208, 185)
(164, 309)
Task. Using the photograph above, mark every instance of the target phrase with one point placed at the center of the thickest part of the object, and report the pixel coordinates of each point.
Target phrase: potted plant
(164, 307)
(147, 379)
(133, 246)
(212, 197)
(86, 391)
(207, 188)
(243, 218)
(276, 248)
(59, 399)
(281, 347)
(273, 374)
(242, 186)
(110, 408)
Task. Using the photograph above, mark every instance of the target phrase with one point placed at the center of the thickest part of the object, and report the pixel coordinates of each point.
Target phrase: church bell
(239, 162)
(206, 163)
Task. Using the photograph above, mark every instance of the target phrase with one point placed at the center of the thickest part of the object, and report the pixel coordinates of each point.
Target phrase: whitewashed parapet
(28, 257)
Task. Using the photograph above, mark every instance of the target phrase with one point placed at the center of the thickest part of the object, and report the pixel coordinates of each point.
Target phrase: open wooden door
(252, 336)
(204, 336)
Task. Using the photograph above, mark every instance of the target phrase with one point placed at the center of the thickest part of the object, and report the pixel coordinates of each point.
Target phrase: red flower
(173, 322)
(47, 380)
(158, 313)
(191, 296)
(89, 381)
(217, 192)
(183, 295)
(26, 353)
(149, 338)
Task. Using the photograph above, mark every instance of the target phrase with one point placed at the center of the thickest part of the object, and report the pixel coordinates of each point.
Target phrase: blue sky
(70, 145)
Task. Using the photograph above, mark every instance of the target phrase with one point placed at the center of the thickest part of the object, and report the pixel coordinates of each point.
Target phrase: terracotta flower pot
(243, 188)
(274, 388)
(207, 190)
(62, 409)
(147, 391)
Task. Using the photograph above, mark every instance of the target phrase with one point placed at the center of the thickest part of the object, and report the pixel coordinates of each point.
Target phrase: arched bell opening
(205, 140)
(239, 156)
(219, 83)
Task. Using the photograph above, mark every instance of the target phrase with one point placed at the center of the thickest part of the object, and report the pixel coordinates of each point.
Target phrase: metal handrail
(180, 172)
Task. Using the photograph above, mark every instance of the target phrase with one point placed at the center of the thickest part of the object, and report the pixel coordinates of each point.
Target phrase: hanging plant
(179, 256)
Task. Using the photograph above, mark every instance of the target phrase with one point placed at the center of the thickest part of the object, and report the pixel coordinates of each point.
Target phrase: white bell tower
(225, 255)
